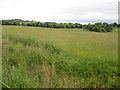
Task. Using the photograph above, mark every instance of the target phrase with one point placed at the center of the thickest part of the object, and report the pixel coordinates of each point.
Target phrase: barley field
(35, 57)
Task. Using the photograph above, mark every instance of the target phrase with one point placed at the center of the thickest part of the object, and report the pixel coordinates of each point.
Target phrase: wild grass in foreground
(34, 58)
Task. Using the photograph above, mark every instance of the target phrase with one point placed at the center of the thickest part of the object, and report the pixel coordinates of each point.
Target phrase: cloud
(58, 9)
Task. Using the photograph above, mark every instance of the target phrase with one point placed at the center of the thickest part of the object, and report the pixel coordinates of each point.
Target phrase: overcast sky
(58, 9)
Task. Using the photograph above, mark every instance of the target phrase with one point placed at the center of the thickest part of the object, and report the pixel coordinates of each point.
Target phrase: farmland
(37, 57)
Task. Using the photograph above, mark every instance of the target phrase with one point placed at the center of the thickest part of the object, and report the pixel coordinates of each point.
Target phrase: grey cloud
(105, 8)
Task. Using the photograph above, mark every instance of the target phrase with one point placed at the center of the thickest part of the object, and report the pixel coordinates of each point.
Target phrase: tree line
(98, 27)
(101, 27)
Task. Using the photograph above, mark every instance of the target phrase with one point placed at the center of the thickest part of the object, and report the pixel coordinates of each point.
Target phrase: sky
(41, 10)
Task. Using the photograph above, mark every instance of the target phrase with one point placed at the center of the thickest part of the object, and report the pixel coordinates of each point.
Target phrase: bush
(99, 27)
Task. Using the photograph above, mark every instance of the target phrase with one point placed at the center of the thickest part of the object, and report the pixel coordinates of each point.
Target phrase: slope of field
(36, 57)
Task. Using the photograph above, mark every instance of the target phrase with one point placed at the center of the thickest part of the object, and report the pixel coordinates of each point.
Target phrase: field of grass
(35, 57)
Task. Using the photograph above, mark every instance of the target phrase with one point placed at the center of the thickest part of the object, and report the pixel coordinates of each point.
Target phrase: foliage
(41, 24)
(97, 27)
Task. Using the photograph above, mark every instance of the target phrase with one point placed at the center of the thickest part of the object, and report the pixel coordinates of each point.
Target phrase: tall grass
(59, 59)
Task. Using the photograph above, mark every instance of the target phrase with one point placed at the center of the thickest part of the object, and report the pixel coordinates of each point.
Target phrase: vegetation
(98, 27)
(41, 24)
(35, 57)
